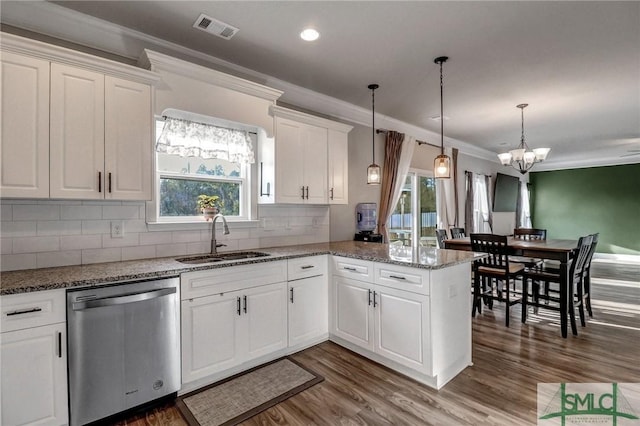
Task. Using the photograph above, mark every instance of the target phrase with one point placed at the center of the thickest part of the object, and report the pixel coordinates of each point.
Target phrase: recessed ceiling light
(309, 34)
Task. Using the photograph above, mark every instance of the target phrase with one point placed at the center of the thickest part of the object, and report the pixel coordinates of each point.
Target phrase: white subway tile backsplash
(36, 212)
(139, 252)
(128, 240)
(58, 258)
(54, 233)
(80, 212)
(96, 227)
(6, 245)
(17, 229)
(59, 227)
(165, 250)
(35, 244)
(156, 237)
(14, 262)
(80, 242)
(6, 212)
(101, 255)
(120, 212)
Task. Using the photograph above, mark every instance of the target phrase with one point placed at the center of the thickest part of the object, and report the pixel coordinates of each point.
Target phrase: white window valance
(190, 139)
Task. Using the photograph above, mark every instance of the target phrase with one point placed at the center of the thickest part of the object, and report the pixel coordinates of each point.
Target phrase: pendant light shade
(373, 171)
(442, 163)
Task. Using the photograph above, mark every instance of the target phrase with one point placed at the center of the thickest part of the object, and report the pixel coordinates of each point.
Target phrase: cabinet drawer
(220, 280)
(26, 310)
(402, 278)
(305, 267)
(353, 268)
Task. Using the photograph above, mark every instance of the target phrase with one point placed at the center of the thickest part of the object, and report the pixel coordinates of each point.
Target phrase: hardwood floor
(499, 389)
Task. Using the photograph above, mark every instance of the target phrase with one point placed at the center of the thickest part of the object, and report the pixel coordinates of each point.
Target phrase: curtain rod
(164, 117)
(419, 142)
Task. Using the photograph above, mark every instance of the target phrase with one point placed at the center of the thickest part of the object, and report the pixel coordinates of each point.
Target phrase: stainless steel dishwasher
(123, 347)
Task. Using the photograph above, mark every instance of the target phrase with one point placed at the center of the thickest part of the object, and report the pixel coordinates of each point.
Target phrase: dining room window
(413, 221)
(481, 208)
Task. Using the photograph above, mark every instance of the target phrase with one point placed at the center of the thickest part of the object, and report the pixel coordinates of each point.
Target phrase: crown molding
(48, 52)
(57, 21)
(583, 164)
(278, 111)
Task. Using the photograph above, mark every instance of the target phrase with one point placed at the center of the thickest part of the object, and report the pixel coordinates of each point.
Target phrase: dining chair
(575, 291)
(586, 276)
(528, 234)
(494, 268)
(441, 235)
(457, 233)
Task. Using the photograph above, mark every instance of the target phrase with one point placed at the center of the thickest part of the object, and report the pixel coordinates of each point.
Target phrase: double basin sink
(220, 257)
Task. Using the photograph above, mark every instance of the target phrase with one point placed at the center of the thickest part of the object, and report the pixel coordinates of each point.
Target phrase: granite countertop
(24, 281)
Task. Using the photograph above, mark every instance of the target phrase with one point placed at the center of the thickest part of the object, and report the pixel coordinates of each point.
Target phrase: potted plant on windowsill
(208, 205)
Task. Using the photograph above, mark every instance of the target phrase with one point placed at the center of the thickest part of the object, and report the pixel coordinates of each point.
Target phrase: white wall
(40, 234)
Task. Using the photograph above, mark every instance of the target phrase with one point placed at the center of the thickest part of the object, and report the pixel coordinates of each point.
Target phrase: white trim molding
(278, 111)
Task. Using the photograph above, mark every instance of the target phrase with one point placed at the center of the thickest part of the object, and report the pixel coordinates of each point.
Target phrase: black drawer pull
(59, 345)
(307, 267)
(24, 311)
(347, 268)
(397, 277)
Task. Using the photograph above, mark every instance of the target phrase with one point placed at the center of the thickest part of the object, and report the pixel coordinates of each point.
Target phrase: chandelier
(522, 158)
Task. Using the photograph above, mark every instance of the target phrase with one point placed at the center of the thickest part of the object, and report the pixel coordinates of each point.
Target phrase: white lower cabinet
(307, 310)
(33, 359)
(389, 322)
(227, 329)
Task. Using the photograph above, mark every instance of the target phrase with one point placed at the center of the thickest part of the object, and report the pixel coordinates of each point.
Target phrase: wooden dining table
(560, 250)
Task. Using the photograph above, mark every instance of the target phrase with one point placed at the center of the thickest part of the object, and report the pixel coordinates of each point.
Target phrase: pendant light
(522, 158)
(442, 164)
(373, 171)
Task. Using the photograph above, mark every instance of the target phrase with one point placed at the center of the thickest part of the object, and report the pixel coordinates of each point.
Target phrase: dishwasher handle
(122, 299)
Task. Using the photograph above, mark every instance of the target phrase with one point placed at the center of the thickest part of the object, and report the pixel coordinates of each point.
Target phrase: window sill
(200, 225)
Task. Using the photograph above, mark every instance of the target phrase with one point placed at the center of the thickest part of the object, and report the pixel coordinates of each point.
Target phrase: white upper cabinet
(128, 141)
(24, 144)
(298, 166)
(74, 125)
(338, 167)
(77, 133)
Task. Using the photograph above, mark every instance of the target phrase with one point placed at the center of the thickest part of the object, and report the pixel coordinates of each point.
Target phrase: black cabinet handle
(397, 277)
(303, 192)
(291, 291)
(369, 298)
(59, 344)
(307, 192)
(307, 267)
(239, 306)
(109, 182)
(331, 196)
(99, 181)
(347, 268)
(245, 304)
(374, 299)
(24, 311)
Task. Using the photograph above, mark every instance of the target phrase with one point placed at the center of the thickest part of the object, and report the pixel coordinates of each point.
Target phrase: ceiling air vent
(215, 27)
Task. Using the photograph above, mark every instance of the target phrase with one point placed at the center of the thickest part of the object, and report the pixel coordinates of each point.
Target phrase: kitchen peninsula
(408, 311)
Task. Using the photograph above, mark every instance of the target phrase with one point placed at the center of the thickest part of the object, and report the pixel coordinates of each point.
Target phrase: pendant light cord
(441, 113)
(373, 124)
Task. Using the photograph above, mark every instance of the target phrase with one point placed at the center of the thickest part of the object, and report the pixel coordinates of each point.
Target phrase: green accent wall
(576, 202)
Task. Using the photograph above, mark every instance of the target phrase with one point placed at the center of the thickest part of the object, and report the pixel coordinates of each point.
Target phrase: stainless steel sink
(219, 257)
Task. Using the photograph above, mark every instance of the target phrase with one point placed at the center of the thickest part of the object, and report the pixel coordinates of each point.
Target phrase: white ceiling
(577, 64)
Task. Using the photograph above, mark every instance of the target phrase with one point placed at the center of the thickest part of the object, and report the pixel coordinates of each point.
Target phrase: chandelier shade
(442, 163)
(523, 158)
(373, 171)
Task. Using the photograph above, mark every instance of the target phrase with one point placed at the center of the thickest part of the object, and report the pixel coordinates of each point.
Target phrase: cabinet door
(210, 335)
(308, 309)
(34, 376)
(315, 165)
(265, 312)
(24, 133)
(77, 133)
(402, 327)
(352, 311)
(338, 167)
(289, 161)
(128, 144)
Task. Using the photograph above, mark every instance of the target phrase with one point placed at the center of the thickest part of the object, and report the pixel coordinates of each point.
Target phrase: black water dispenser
(366, 222)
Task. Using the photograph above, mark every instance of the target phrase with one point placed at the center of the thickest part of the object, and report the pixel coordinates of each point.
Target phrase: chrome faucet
(214, 244)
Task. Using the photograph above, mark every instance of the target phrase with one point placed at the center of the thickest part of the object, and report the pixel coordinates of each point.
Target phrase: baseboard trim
(616, 258)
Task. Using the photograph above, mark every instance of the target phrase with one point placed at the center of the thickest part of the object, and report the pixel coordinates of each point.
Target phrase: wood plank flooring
(499, 389)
